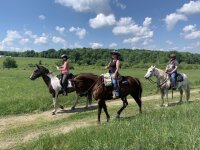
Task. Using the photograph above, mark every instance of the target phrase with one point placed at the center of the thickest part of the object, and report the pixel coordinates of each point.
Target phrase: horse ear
(37, 66)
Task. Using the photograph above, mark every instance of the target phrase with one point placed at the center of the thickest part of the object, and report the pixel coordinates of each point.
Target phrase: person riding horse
(171, 69)
(64, 69)
(114, 67)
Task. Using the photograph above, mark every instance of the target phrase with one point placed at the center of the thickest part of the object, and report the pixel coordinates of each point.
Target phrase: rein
(86, 92)
(158, 85)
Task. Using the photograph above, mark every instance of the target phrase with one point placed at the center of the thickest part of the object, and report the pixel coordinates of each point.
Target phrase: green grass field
(175, 127)
(18, 94)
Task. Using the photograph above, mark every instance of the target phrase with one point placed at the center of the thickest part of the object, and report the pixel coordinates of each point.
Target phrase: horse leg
(55, 97)
(75, 102)
(181, 95)
(166, 92)
(162, 97)
(105, 110)
(100, 105)
(125, 103)
(187, 93)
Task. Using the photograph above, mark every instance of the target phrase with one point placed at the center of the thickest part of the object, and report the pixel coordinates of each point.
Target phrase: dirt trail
(12, 123)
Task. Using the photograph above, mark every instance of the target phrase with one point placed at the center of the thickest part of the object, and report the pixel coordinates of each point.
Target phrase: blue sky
(44, 24)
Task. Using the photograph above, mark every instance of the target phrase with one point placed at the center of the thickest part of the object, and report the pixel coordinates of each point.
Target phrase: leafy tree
(9, 63)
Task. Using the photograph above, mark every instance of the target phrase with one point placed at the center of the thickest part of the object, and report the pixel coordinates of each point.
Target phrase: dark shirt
(112, 66)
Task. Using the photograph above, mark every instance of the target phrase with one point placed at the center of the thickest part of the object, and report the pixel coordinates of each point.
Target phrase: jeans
(173, 77)
(115, 84)
(64, 81)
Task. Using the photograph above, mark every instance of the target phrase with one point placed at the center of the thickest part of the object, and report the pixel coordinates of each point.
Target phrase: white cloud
(189, 28)
(30, 34)
(190, 32)
(138, 34)
(96, 45)
(58, 40)
(113, 45)
(11, 37)
(80, 32)
(190, 8)
(42, 17)
(118, 4)
(102, 20)
(182, 13)
(97, 6)
(24, 41)
(40, 40)
(169, 42)
(60, 29)
(172, 19)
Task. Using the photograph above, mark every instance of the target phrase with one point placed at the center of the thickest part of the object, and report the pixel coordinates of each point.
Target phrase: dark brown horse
(89, 83)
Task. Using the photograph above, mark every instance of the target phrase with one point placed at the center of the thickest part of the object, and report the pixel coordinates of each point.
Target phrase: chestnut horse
(89, 83)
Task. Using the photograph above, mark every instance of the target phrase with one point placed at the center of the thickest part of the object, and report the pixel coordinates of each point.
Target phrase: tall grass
(173, 128)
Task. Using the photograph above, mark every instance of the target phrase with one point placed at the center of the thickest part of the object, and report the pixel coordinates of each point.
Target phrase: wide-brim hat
(115, 53)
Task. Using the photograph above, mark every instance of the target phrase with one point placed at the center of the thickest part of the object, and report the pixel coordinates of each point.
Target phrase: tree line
(129, 57)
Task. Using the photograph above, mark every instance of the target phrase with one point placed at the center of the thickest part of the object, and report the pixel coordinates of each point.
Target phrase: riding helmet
(172, 56)
(64, 56)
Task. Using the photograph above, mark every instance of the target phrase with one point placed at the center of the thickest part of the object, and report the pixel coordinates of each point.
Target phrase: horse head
(38, 72)
(150, 72)
(83, 83)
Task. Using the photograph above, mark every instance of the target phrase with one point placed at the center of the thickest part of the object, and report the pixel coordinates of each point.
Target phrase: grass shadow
(178, 103)
(78, 109)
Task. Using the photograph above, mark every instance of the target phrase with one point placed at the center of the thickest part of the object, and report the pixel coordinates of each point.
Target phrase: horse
(164, 84)
(54, 86)
(86, 82)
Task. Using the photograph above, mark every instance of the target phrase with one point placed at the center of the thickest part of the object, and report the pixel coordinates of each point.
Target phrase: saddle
(108, 80)
(179, 77)
(68, 81)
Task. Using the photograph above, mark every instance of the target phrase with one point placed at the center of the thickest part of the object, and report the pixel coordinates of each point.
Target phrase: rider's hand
(113, 76)
(57, 67)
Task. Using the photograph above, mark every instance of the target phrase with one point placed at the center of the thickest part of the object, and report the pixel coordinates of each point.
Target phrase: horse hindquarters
(136, 91)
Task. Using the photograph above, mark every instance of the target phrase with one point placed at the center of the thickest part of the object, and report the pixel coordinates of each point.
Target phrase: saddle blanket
(107, 79)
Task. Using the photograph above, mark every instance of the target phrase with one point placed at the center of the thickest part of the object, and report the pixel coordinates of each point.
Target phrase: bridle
(159, 85)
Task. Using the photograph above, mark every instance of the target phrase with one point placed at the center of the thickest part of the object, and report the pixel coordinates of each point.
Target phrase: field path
(22, 128)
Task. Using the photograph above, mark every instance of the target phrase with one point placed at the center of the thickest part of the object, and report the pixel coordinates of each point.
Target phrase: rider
(114, 67)
(64, 73)
(171, 69)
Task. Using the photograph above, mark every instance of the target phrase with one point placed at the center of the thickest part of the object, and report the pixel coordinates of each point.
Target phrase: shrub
(9, 63)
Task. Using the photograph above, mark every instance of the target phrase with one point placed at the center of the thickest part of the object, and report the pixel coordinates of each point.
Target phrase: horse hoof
(166, 105)
(108, 119)
(117, 116)
(98, 122)
(61, 107)
(53, 113)
(72, 108)
(86, 108)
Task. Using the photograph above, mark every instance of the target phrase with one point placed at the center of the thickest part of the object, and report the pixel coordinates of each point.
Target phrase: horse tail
(140, 86)
(136, 91)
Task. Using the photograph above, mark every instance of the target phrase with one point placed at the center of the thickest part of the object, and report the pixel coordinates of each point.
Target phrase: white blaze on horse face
(55, 82)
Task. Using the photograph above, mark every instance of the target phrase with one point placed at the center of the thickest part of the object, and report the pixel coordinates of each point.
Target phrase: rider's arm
(64, 66)
(106, 67)
(117, 67)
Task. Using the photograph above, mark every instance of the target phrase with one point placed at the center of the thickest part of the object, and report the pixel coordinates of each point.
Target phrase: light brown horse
(89, 83)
